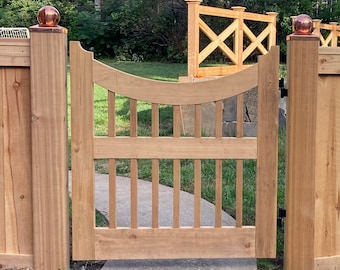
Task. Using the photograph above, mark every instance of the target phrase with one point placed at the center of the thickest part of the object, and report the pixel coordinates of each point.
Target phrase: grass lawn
(171, 72)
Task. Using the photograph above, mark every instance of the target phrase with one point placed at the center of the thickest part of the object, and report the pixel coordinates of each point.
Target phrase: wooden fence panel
(327, 186)
(15, 174)
(16, 224)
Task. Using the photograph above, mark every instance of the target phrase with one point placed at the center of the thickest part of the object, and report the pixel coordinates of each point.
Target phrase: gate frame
(259, 241)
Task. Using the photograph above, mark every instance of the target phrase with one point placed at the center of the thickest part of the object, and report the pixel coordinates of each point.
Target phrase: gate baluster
(155, 169)
(239, 164)
(112, 162)
(177, 168)
(218, 168)
(197, 169)
(133, 166)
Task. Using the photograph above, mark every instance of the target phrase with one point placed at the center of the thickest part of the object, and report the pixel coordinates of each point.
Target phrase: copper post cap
(303, 25)
(48, 16)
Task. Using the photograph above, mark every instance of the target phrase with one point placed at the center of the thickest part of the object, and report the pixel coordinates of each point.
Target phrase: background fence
(243, 40)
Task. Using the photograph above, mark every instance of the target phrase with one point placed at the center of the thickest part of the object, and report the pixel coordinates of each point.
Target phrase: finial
(303, 25)
(48, 16)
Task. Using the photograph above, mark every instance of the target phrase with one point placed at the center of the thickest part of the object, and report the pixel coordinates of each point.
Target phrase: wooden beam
(267, 138)
(83, 213)
(15, 52)
(329, 60)
(49, 147)
(175, 148)
(326, 263)
(301, 151)
(148, 243)
(18, 260)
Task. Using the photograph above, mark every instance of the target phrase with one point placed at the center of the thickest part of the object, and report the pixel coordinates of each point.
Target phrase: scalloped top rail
(171, 93)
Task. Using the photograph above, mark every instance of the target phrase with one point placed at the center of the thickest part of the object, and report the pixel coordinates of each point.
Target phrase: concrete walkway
(165, 219)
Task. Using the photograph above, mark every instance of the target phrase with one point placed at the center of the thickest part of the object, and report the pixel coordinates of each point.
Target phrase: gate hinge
(283, 90)
(281, 216)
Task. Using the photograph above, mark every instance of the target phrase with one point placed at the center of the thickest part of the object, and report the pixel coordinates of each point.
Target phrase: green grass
(171, 72)
(151, 70)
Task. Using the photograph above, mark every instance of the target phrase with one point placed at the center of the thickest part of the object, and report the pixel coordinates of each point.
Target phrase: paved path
(165, 219)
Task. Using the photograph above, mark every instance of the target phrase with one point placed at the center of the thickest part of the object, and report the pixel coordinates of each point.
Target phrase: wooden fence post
(238, 38)
(49, 142)
(301, 149)
(272, 34)
(316, 26)
(334, 41)
(193, 36)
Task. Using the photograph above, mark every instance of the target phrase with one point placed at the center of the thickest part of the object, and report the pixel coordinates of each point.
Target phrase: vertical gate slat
(197, 170)
(239, 193)
(239, 164)
(218, 168)
(134, 166)
(112, 162)
(238, 43)
(177, 168)
(155, 169)
(82, 153)
(267, 147)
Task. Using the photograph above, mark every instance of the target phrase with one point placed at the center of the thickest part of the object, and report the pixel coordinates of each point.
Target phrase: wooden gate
(156, 242)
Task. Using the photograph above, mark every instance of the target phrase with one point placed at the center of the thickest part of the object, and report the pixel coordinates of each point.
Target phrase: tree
(151, 29)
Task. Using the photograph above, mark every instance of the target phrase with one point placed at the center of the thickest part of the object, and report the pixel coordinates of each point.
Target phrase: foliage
(141, 30)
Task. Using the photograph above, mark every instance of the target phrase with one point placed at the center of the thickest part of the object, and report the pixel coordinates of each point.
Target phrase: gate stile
(176, 241)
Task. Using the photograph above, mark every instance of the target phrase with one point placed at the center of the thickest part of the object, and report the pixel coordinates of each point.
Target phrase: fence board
(329, 59)
(327, 183)
(18, 260)
(2, 166)
(16, 224)
(327, 263)
(15, 52)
